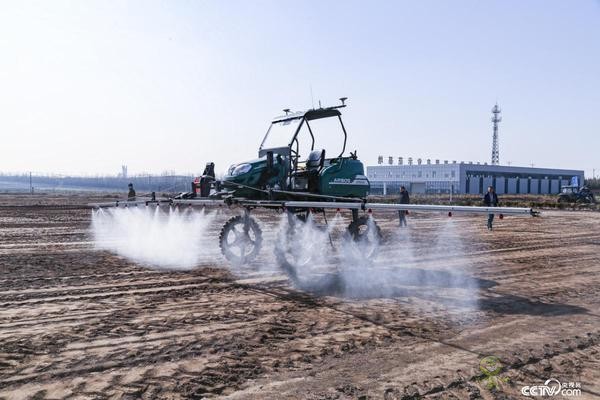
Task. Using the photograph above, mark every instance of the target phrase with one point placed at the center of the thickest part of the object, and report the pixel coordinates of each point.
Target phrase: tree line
(143, 182)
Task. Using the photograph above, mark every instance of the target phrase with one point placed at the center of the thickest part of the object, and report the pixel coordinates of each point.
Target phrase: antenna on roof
(343, 100)
(320, 104)
(286, 111)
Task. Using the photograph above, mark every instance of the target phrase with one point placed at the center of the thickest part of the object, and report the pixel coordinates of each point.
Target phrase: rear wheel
(240, 239)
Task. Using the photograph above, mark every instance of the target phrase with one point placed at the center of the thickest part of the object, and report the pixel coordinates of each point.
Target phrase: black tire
(309, 269)
(588, 199)
(284, 247)
(247, 239)
(367, 235)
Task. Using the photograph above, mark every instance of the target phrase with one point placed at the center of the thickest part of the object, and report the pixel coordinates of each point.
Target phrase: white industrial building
(466, 178)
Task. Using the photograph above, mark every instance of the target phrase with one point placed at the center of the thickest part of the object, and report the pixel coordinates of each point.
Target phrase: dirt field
(76, 322)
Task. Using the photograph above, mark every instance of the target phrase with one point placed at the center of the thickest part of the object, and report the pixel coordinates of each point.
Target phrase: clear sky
(86, 86)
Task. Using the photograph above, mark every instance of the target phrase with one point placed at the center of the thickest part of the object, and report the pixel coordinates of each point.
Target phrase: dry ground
(76, 322)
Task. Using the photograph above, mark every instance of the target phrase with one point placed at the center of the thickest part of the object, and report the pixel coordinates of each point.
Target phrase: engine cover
(344, 177)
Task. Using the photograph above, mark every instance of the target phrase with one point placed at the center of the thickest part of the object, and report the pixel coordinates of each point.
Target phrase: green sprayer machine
(294, 173)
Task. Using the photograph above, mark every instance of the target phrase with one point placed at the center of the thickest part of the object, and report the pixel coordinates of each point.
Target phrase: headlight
(240, 169)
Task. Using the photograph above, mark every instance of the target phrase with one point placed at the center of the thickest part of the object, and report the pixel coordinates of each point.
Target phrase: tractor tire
(365, 233)
(587, 199)
(307, 268)
(247, 239)
(283, 248)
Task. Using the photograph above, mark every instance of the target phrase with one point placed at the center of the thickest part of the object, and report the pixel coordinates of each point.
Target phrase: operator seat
(315, 160)
(314, 165)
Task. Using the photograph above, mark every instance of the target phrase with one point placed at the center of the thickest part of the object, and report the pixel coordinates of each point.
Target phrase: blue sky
(86, 86)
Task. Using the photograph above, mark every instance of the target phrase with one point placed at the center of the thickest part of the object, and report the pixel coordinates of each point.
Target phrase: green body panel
(344, 177)
(258, 177)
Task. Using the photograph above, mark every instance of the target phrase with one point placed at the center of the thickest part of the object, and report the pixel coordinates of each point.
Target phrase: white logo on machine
(553, 387)
(359, 180)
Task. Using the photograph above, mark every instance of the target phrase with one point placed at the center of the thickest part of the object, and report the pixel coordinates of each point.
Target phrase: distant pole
(495, 145)
(30, 184)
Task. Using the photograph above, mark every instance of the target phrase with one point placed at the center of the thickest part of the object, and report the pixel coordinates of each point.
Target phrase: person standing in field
(490, 200)
(131, 193)
(404, 199)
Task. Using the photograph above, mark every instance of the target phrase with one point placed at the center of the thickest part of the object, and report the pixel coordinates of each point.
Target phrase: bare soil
(77, 322)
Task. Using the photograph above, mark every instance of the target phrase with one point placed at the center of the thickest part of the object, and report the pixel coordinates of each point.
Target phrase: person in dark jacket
(131, 193)
(404, 199)
(490, 200)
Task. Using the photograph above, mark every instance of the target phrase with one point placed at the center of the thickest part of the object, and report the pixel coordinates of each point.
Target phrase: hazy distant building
(467, 178)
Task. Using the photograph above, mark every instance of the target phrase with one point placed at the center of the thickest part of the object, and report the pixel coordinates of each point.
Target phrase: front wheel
(240, 239)
(364, 238)
(588, 199)
(298, 245)
(304, 253)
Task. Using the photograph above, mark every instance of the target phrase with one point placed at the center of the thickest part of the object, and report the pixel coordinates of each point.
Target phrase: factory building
(466, 178)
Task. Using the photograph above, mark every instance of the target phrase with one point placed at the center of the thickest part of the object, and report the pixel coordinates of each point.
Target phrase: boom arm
(329, 205)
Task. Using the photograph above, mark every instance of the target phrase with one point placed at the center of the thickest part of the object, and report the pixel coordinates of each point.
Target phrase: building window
(433, 174)
(453, 174)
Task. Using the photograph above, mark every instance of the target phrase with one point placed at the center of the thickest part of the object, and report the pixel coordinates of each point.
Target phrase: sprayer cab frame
(303, 117)
(282, 173)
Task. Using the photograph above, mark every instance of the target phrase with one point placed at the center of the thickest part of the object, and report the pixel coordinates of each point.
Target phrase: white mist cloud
(318, 258)
(170, 239)
(342, 269)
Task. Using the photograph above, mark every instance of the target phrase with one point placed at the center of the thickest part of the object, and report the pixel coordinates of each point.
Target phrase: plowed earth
(77, 322)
